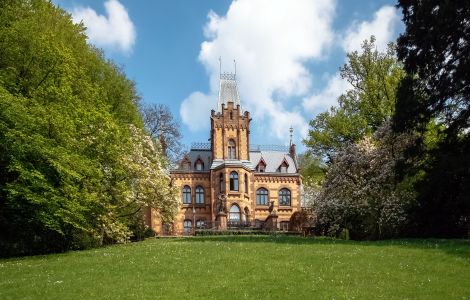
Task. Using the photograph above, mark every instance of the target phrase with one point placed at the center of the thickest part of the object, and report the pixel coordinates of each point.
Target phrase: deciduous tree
(374, 77)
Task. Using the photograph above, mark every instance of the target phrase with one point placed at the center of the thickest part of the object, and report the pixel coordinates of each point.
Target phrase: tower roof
(228, 91)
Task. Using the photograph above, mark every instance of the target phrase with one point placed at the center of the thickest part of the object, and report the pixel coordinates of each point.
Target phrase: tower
(230, 127)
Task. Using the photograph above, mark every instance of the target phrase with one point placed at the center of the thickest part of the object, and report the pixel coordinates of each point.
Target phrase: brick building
(229, 183)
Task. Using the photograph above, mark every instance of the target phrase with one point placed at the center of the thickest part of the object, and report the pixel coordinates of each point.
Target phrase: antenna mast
(235, 66)
(291, 130)
(220, 66)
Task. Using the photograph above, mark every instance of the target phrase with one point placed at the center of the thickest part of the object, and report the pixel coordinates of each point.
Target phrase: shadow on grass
(460, 248)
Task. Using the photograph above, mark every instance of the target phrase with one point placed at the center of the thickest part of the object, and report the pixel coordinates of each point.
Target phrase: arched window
(284, 197)
(199, 195)
(187, 224)
(186, 195)
(221, 183)
(246, 183)
(232, 150)
(234, 181)
(199, 165)
(234, 214)
(262, 196)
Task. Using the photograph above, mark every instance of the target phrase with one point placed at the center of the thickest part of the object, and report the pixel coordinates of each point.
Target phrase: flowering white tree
(360, 192)
(147, 183)
(310, 192)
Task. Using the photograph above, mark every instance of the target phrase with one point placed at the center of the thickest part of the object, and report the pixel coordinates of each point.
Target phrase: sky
(288, 54)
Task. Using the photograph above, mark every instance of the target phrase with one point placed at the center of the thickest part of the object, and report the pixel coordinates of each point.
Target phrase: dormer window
(283, 167)
(186, 163)
(261, 167)
(199, 165)
(232, 149)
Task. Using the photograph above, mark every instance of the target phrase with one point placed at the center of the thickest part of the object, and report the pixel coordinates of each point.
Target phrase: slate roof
(273, 160)
(205, 156)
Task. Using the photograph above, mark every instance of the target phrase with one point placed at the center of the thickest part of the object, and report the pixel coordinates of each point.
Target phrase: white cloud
(113, 30)
(271, 41)
(383, 27)
(328, 96)
(195, 110)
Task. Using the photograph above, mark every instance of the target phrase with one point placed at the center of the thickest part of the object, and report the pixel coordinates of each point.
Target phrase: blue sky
(287, 52)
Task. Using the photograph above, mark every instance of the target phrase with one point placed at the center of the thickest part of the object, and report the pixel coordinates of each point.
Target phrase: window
(186, 195)
(200, 224)
(199, 165)
(186, 163)
(199, 195)
(187, 224)
(246, 183)
(234, 214)
(234, 181)
(284, 226)
(261, 167)
(231, 150)
(283, 167)
(284, 197)
(221, 183)
(262, 196)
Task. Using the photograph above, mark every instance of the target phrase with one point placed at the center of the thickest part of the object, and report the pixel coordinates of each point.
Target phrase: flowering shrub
(360, 192)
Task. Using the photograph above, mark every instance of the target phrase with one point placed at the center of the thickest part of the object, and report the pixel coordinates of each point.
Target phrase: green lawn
(246, 267)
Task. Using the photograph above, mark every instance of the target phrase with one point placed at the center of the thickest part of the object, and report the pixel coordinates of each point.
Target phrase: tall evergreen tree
(435, 51)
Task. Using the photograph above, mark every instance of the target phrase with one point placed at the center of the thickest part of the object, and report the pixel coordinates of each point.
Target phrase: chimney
(292, 151)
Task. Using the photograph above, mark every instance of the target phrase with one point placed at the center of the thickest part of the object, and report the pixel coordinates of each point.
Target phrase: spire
(228, 90)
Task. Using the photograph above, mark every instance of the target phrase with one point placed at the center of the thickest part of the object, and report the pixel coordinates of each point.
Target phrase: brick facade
(229, 153)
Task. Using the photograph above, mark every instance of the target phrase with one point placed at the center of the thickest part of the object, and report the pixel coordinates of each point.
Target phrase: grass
(252, 267)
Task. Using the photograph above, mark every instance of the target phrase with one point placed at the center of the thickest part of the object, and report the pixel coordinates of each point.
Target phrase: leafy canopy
(374, 77)
(68, 122)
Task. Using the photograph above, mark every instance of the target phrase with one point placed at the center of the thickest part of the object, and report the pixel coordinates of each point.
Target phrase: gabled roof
(261, 160)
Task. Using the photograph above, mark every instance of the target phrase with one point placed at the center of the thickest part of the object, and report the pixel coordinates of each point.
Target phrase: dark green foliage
(434, 101)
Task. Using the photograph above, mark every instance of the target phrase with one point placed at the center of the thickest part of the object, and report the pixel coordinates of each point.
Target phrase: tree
(312, 168)
(360, 192)
(374, 78)
(435, 51)
(162, 126)
(68, 124)
(435, 47)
